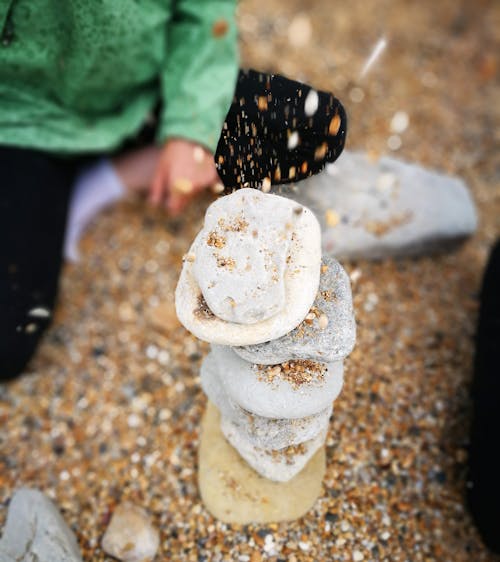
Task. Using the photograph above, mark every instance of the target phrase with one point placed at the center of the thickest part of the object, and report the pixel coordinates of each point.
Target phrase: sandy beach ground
(111, 406)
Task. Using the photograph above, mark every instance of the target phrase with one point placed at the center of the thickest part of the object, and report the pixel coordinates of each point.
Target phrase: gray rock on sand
(376, 209)
(312, 339)
(267, 433)
(36, 531)
(236, 288)
(279, 465)
(269, 393)
(130, 535)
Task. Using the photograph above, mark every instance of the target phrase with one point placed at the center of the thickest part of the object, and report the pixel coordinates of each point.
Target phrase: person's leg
(33, 203)
(278, 129)
(102, 183)
(484, 492)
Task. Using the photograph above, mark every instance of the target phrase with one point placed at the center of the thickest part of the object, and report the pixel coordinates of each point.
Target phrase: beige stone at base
(234, 493)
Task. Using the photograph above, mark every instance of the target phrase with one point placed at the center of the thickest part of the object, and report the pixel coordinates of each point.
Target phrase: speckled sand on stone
(301, 279)
(310, 340)
(267, 433)
(264, 392)
(279, 465)
(241, 253)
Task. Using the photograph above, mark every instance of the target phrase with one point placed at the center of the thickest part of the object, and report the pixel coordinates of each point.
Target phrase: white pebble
(304, 546)
(133, 421)
(293, 140)
(300, 30)
(355, 275)
(323, 321)
(385, 535)
(394, 142)
(64, 475)
(39, 312)
(151, 352)
(400, 122)
(218, 188)
(266, 185)
(344, 526)
(357, 95)
(311, 103)
(151, 266)
(357, 556)
(163, 357)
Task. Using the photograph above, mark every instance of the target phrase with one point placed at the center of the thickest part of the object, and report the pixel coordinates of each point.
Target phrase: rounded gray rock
(35, 530)
(267, 433)
(267, 392)
(312, 339)
(279, 465)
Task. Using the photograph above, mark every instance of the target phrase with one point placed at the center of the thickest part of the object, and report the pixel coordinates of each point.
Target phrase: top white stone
(252, 272)
(240, 256)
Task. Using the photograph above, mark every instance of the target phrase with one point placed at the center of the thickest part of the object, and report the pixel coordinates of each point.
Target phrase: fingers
(176, 203)
(156, 192)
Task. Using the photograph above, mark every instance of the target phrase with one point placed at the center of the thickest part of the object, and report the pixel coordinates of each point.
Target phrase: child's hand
(184, 168)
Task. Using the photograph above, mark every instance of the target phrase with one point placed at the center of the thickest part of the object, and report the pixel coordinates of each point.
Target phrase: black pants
(484, 471)
(36, 187)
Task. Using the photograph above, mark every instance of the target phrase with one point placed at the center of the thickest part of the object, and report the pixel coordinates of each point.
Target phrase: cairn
(280, 322)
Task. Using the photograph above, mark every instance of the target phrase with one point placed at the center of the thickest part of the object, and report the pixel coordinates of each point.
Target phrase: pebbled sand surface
(111, 407)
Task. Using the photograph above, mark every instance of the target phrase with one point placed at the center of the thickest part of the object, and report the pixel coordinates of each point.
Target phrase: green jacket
(80, 76)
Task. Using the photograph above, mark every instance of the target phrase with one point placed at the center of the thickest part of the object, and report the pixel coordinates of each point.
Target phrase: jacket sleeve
(200, 70)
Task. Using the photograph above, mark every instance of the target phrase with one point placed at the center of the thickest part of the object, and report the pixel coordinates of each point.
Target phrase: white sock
(96, 188)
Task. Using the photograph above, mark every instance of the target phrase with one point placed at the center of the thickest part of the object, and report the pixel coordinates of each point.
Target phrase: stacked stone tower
(280, 321)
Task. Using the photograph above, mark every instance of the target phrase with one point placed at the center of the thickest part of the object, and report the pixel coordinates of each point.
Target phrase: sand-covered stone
(279, 465)
(241, 253)
(266, 433)
(234, 493)
(327, 334)
(375, 209)
(237, 287)
(36, 532)
(291, 390)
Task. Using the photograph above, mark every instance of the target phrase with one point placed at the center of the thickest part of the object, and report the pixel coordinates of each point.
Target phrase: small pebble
(323, 321)
(299, 30)
(39, 312)
(304, 546)
(130, 536)
(332, 218)
(394, 142)
(357, 95)
(311, 103)
(293, 140)
(400, 122)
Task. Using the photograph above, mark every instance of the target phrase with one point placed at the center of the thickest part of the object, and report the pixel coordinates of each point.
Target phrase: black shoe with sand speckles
(278, 131)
